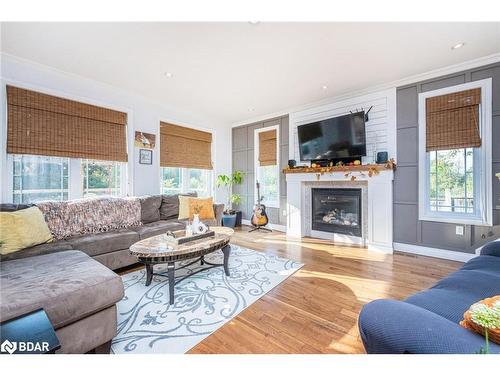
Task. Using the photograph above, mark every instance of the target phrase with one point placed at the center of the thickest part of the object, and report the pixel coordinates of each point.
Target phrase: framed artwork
(145, 156)
(144, 140)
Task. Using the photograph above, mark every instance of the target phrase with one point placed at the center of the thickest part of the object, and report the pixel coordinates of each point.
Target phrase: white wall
(380, 129)
(144, 115)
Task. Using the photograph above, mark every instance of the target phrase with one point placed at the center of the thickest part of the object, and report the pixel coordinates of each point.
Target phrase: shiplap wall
(380, 129)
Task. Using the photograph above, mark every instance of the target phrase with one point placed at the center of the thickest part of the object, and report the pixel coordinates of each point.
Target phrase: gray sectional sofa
(73, 281)
(78, 294)
(159, 214)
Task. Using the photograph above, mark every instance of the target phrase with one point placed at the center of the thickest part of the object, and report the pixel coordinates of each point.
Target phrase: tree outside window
(101, 178)
(452, 180)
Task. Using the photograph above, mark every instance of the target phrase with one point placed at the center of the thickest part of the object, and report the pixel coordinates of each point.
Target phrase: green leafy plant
(226, 182)
(487, 318)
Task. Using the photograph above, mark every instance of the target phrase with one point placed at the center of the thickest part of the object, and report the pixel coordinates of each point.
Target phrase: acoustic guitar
(259, 216)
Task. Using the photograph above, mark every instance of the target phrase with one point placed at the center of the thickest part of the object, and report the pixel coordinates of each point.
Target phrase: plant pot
(239, 217)
(229, 220)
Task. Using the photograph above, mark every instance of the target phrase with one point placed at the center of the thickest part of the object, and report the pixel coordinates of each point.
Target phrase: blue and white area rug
(203, 303)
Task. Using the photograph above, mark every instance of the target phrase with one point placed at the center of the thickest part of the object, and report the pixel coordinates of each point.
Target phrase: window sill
(454, 220)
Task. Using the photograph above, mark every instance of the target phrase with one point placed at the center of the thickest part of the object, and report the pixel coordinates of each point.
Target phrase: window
(455, 183)
(184, 180)
(267, 164)
(171, 179)
(452, 181)
(37, 178)
(268, 178)
(101, 178)
(198, 181)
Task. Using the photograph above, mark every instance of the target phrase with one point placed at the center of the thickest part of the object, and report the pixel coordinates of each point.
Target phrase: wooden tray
(181, 238)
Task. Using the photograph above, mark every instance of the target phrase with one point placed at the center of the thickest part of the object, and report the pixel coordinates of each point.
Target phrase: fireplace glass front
(337, 211)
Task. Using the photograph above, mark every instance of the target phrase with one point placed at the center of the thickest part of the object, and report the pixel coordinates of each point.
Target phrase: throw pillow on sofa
(484, 315)
(188, 206)
(22, 229)
(169, 208)
(150, 208)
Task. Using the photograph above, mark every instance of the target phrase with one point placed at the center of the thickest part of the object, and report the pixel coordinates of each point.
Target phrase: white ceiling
(226, 69)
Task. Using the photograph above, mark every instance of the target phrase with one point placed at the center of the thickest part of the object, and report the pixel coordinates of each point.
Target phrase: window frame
(482, 157)
(184, 189)
(272, 204)
(10, 172)
(75, 178)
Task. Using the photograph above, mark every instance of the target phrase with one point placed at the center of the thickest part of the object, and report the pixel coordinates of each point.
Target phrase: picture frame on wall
(144, 140)
(145, 156)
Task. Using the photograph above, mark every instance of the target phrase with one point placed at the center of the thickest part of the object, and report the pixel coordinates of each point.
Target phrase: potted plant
(226, 182)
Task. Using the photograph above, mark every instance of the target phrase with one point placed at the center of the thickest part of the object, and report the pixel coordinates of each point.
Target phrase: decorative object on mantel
(366, 113)
(292, 163)
(348, 170)
(371, 171)
(340, 167)
(382, 157)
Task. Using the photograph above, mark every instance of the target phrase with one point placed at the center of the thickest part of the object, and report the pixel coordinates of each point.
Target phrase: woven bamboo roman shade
(267, 148)
(41, 124)
(452, 120)
(184, 147)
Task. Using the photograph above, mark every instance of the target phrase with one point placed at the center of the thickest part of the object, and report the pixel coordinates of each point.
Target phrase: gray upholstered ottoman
(78, 293)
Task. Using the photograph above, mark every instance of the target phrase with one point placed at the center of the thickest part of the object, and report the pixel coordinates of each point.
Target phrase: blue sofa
(428, 322)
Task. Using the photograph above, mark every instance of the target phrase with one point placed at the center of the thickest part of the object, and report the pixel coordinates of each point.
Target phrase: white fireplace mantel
(378, 191)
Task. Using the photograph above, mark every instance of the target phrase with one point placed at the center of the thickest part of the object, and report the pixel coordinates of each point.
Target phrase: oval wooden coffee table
(159, 249)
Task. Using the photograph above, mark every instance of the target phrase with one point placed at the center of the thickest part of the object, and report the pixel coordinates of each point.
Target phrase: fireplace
(337, 211)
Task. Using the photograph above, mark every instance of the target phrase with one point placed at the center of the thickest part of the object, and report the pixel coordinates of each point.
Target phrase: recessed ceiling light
(168, 75)
(325, 87)
(458, 45)
(253, 22)
(251, 109)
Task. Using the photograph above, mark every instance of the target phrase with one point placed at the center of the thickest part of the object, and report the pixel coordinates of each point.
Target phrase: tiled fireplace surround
(376, 202)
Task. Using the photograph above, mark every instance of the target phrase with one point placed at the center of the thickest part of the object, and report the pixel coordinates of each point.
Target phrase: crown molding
(450, 69)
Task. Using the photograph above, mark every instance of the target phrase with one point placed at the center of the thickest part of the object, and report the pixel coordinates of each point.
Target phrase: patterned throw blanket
(90, 215)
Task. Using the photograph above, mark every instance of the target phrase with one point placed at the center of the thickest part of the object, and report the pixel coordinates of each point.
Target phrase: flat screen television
(335, 139)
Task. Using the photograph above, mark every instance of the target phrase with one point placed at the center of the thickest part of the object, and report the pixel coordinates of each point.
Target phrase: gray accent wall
(407, 228)
(243, 160)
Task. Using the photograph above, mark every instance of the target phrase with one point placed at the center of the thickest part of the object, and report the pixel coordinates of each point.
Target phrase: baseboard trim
(276, 227)
(433, 252)
(381, 248)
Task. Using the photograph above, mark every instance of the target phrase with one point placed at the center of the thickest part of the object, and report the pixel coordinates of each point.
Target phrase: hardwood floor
(316, 309)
